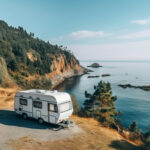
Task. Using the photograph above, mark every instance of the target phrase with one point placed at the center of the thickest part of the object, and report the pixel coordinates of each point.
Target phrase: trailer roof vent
(40, 91)
(55, 91)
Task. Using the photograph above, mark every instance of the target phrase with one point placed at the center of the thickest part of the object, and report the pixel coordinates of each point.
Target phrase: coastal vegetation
(100, 105)
(76, 107)
(26, 60)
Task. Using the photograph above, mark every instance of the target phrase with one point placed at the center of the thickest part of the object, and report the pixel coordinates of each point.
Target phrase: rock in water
(94, 65)
(105, 75)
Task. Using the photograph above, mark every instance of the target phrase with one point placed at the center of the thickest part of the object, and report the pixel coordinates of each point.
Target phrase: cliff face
(61, 64)
(62, 68)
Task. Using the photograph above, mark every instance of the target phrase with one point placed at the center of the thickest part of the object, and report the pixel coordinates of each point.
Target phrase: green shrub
(24, 74)
(101, 105)
(76, 106)
(43, 83)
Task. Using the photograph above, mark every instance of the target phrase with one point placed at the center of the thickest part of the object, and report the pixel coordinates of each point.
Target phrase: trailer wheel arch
(24, 116)
(40, 121)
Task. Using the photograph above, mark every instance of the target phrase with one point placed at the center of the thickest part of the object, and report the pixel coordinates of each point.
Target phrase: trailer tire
(40, 120)
(24, 116)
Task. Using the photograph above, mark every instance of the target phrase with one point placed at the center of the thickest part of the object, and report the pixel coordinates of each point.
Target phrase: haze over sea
(134, 103)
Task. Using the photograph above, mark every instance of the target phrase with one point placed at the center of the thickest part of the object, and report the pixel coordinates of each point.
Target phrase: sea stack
(95, 65)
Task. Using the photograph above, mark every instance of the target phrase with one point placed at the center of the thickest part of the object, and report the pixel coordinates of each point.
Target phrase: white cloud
(84, 34)
(136, 35)
(141, 22)
(88, 34)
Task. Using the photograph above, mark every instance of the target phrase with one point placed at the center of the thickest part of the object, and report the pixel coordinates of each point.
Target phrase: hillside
(33, 63)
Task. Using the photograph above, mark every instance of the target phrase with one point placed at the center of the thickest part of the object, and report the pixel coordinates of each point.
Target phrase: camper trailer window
(37, 104)
(23, 101)
(53, 108)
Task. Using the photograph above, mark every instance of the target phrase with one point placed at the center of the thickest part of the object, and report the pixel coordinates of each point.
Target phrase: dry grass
(94, 137)
(7, 97)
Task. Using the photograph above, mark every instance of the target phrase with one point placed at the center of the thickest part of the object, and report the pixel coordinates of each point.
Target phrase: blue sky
(92, 29)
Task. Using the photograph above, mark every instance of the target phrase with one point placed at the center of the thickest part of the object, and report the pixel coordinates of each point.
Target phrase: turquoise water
(134, 103)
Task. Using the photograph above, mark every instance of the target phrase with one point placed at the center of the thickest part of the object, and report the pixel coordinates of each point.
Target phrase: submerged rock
(93, 76)
(105, 75)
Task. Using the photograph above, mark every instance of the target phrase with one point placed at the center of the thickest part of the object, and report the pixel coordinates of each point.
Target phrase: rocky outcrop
(33, 55)
(144, 87)
(105, 75)
(93, 76)
(94, 65)
(63, 68)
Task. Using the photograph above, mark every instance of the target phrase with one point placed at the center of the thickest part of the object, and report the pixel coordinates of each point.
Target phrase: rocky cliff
(61, 69)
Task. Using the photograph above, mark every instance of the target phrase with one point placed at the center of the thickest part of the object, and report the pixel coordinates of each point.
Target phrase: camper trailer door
(25, 106)
(37, 106)
(52, 112)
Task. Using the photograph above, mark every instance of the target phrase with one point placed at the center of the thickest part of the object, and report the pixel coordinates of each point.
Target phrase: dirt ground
(87, 134)
(14, 127)
(93, 137)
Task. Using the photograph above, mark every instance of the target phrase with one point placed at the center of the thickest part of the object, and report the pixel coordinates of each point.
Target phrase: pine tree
(101, 104)
(133, 127)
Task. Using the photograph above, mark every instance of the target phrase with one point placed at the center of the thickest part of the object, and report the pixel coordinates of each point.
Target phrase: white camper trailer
(43, 105)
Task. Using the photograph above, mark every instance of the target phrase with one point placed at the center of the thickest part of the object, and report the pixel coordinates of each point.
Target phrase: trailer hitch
(66, 124)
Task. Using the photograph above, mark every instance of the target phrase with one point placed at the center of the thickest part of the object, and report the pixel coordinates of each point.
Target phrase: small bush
(134, 136)
(24, 74)
(43, 83)
(76, 107)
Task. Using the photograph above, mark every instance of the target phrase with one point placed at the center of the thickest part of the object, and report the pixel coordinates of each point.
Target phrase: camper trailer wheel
(24, 116)
(40, 120)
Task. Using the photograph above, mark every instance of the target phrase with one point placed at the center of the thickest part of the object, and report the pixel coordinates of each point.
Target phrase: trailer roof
(59, 96)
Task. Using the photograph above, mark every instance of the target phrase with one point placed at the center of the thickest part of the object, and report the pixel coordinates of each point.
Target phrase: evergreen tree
(101, 104)
(12, 64)
(133, 127)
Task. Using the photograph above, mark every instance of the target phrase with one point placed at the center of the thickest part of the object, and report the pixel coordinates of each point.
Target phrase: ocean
(134, 103)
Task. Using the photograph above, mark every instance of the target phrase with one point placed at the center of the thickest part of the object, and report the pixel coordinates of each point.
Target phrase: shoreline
(69, 75)
(63, 80)
(142, 87)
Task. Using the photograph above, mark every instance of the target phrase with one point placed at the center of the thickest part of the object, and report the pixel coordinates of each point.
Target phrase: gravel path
(13, 126)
